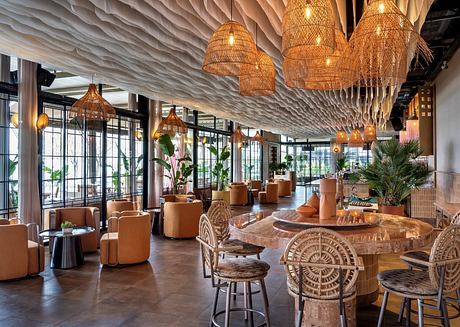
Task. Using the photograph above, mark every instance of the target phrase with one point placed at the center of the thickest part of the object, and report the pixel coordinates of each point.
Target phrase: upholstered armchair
(284, 187)
(127, 240)
(270, 195)
(238, 194)
(181, 218)
(80, 216)
(256, 186)
(112, 224)
(19, 256)
(114, 207)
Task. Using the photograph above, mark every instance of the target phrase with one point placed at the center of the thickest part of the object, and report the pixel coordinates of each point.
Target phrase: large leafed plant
(219, 171)
(394, 171)
(178, 170)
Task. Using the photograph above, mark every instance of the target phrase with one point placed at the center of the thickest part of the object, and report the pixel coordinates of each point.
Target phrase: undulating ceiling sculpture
(156, 48)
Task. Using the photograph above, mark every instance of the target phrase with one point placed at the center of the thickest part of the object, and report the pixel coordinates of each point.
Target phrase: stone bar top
(393, 234)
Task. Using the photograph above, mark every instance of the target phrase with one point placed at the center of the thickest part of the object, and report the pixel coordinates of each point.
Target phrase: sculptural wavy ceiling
(156, 47)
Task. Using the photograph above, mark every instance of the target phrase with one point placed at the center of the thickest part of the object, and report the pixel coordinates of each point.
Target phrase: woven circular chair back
(219, 214)
(456, 218)
(321, 252)
(208, 236)
(446, 252)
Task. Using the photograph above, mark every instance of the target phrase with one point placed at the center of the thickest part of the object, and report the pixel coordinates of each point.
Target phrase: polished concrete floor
(168, 290)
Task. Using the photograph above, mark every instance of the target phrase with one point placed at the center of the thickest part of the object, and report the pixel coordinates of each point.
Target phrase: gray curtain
(29, 199)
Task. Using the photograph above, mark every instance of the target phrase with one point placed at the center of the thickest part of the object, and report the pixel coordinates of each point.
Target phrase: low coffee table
(67, 249)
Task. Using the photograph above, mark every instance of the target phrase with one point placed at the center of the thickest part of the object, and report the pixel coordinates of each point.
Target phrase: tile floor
(168, 290)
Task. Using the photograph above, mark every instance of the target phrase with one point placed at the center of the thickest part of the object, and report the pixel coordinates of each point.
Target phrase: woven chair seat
(247, 249)
(241, 268)
(408, 282)
(419, 255)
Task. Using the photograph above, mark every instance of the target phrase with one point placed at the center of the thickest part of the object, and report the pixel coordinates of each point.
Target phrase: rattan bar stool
(226, 272)
(322, 267)
(441, 277)
(425, 256)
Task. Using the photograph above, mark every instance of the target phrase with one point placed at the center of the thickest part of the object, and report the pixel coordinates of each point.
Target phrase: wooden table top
(393, 234)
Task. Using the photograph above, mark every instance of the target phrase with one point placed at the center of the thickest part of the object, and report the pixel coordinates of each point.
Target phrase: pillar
(29, 198)
(237, 158)
(155, 173)
(4, 136)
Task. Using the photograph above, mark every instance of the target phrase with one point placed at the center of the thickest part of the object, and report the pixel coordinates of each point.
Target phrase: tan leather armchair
(112, 224)
(270, 195)
(119, 205)
(181, 218)
(238, 194)
(284, 187)
(19, 256)
(80, 216)
(127, 240)
(257, 186)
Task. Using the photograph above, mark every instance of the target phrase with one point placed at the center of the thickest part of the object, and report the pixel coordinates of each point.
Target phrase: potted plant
(220, 173)
(394, 172)
(178, 170)
(289, 159)
(272, 167)
(67, 227)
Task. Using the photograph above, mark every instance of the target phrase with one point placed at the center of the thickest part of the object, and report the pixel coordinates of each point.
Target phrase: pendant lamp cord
(231, 10)
(256, 34)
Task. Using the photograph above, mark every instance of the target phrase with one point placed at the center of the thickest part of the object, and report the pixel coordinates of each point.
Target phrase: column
(4, 135)
(155, 173)
(237, 157)
(131, 182)
(29, 198)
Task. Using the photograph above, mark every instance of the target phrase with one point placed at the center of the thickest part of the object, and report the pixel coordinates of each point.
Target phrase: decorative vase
(221, 195)
(393, 210)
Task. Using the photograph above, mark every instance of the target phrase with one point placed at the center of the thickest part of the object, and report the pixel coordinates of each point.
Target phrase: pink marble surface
(393, 234)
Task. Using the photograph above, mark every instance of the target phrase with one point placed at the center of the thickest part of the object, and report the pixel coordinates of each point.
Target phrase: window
(8, 156)
(251, 156)
(357, 156)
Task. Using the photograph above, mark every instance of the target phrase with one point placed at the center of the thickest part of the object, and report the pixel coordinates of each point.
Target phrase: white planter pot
(67, 230)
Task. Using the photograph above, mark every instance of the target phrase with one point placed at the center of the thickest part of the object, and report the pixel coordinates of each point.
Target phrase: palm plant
(178, 169)
(342, 163)
(394, 171)
(219, 171)
(57, 176)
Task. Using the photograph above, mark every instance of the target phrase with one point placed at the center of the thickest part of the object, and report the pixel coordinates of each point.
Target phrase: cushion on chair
(247, 248)
(410, 282)
(419, 255)
(241, 268)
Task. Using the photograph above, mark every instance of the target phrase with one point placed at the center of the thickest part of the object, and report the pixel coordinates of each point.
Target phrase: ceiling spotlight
(444, 65)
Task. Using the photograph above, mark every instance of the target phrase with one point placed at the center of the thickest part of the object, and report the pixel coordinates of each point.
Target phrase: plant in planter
(219, 171)
(67, 227)
(394, 172)
(342, 163)
(272, 167)
(178, 170)
(281, 169)
(288, 159)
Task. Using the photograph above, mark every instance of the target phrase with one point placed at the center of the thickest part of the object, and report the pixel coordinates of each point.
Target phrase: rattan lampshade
(229, 47)
(308, 29)
(370, 134)
(355, 140)
(172, 124)
(238, 136)
(332, 72)
(295, 72)
(341, 137)
(92, 106)
(412, 128)
(383, 44)
(258, 138)
(258, 78)
(403, 136)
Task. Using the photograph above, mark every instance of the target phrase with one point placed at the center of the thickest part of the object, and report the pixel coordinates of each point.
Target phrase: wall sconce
(138, 134)
(336, 149)
(156, 135)
(42, 121)
(204, 140)
(14, 120)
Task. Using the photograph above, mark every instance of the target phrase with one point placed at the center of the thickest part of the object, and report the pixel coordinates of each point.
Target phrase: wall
(448, 117)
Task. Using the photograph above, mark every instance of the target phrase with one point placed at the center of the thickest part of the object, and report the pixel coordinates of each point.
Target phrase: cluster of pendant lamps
(355, 139)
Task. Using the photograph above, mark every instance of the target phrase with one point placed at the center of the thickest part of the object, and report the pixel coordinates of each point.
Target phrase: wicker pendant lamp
(331, 72)
(383, 45)
(308, 29)
(370, 134)
(238, 136)
(403, 136)
(258, 78)
(295, 72)
(341, 137)
(355, 140)
(258, 138)
(412, 128)
(229, 47)
(92, 106)
(172, 124)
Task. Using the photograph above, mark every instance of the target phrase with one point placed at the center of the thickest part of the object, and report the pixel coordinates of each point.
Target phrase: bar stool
(226, 272)
(441, 277)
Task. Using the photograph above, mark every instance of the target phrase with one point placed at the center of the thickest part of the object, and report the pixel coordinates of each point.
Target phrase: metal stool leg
(420, 312)
(265, 299)
(235, 290)
(401, 310)
(445, 315)
(227, 304)
(214, 305)
(245, 299)
(408, 312)
(382, 309)
(249, 294)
